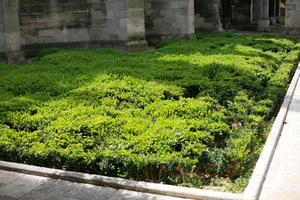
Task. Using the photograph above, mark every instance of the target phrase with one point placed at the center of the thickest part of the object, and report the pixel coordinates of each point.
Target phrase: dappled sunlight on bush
(188, 113)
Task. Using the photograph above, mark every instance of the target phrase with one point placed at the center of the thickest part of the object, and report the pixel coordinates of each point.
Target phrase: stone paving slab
(6, 198)
(46, 190)
(125, 184)
(283, 178)
(18, 186)
(56, 189)
(21, 185)
(8, 177)
(286, 142)
(86, 191)
(130, 195)
(279, 191)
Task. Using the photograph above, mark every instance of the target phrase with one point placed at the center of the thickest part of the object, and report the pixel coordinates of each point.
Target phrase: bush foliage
(182, 114)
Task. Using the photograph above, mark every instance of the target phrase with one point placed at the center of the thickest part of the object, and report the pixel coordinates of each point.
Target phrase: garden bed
(190, 113)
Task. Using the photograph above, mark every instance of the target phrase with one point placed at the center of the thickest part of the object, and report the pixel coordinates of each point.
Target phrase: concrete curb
(119, 183)
(253, 190)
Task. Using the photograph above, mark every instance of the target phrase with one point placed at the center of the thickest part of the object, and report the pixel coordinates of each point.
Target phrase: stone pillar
(255, 11)
(241, 13)
(274, 12)
(118, 24)
(226, 9)
(136, 25)
(292, 20)
(169, 19)
(10, 45)
(2, 35)
(217, 7)
(264, 20)
(277, 11)
(208, 15)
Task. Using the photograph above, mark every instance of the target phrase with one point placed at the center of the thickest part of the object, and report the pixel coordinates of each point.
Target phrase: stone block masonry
(52, 21)
(292, 21)
(10, 47)
(208, 16)
(169, 19)
(82, 24)
(241, 12)
(27, 26)
(118, 23)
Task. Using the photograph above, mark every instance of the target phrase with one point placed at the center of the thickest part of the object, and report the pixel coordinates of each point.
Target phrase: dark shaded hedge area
(190, 113)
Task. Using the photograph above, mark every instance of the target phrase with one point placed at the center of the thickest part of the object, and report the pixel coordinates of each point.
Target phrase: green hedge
(186, 113)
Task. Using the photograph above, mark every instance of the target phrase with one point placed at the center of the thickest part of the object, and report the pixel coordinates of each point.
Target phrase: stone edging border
(252, 191)
(119, 183)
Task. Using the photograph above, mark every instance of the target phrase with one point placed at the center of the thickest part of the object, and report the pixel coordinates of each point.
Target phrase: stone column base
(291, 31)
(154, 39)
(135, 46)
(264, 25)
(13, 57)
(273, 20)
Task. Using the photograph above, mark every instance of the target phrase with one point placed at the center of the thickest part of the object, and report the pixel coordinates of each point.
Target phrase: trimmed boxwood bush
(188, 113)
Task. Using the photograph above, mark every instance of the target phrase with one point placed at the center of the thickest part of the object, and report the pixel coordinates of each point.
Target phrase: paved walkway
(17, 186)
(283, 178)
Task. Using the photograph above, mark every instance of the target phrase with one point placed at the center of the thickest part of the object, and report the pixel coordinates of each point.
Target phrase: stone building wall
(116, 22)
(255, 11)
(51, 21)
(37, 24)
(169, 19)
(292, 21)
(26, 26)
(241, 12)
(2, 33)
(10, 49)
(81, 23)
(208, 15)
